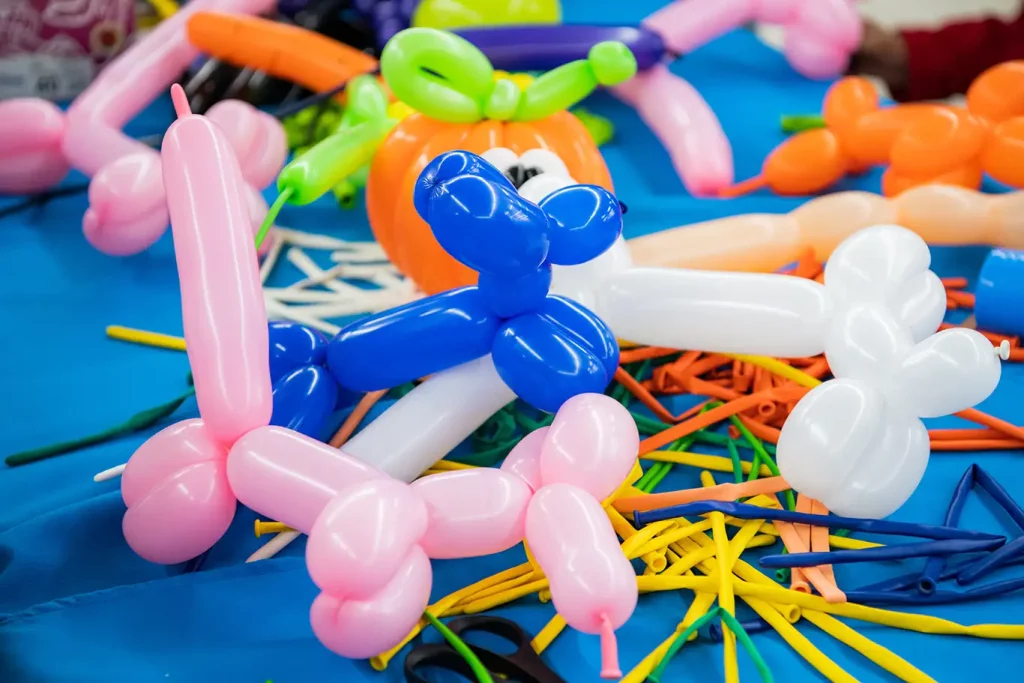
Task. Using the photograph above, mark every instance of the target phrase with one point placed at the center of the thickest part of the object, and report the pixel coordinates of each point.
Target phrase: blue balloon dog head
(547, 349)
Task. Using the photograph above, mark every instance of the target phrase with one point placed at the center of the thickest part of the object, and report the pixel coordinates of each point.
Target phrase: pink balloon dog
(128, 208)
(820, 37)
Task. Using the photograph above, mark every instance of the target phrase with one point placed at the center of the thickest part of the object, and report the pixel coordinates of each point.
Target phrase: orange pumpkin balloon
(968, 175)
(1003, 158)
(868, 141)
(846, 102)
(940, 141)
(405, 237)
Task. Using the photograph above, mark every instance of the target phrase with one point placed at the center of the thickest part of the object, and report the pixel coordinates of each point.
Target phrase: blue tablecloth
(77, 605)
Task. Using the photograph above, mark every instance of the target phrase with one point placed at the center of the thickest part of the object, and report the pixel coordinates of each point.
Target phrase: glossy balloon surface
(293, 346)
(304, 399)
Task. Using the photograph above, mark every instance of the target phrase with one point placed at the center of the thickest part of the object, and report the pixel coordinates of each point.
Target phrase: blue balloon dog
(546, 348)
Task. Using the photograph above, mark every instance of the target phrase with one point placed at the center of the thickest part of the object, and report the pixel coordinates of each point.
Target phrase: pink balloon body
(572, 540)
(177, 493)
(360, 629)
(223, 313)
(131, 82)
(30, 155)
(472, 512)
(820, 34)
(127, 210)
(290, 477)
(592, 443)
(686, 126)
(524, 459)
(363, 537)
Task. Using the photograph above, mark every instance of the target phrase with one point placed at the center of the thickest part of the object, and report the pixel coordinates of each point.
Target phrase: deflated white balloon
(950, 371)
(847, 447)
(866, 342)
(752, 313)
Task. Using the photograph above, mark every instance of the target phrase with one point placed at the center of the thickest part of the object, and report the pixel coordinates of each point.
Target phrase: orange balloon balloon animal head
(463, 107)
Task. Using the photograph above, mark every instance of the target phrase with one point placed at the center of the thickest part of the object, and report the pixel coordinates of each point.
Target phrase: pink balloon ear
(592, 444)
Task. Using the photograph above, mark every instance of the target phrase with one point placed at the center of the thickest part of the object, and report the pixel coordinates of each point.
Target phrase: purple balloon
(539, 48)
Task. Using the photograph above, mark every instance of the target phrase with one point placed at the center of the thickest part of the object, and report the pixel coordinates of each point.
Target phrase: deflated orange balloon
(846, 101)
(968, 175)
(1003, 157)
(869, 140)
(998, 94)
(937, 142)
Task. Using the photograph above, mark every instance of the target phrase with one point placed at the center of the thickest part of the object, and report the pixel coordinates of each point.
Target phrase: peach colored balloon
(767, 242)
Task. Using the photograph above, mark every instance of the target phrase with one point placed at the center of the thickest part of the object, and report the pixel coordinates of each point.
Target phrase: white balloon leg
(430, 421)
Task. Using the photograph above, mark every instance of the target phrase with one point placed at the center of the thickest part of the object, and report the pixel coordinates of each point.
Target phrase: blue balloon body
(293, 346)
(304, 399)
(420, 338)
(999, 295)
(507, 297)
(585, 222)
(547, 349)
(545, 359)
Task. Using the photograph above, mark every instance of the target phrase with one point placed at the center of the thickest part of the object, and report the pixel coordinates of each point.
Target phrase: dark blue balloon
(511, 297)
(580, 322)
(292, 346)
(585, 221)
(304, 399)
(488, 226)
(543, 365)
(420, 338)
(447, 166)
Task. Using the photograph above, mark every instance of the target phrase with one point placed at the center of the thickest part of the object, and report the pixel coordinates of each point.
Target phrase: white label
(45, 76)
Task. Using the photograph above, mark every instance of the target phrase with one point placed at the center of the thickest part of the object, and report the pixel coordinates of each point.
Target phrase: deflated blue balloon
(546, 363)
(304, 399)
(420, 338)
(511, 297)
(585, 222)
(447, 166)
(293, 346)
(488, 226)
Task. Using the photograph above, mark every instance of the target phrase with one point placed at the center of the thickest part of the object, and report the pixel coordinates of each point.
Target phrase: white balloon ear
(874, 263)
(866, 343)
(948, 372)
(920, 304)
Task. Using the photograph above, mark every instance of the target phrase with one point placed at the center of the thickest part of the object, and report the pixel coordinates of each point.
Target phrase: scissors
(523, 665)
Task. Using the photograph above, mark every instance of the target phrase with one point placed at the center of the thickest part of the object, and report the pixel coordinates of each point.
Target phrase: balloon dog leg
(31, 159)
(426, 424)
(364, 529)
(686, 126)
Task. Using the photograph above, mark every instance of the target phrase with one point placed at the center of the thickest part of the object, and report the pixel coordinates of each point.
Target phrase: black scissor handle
(440, 655)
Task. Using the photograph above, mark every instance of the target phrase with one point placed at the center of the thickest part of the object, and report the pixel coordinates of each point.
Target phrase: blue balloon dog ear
(585, 221)
(487, 226)
(447, 166)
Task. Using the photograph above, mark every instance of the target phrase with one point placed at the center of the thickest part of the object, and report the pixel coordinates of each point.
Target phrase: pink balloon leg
(30, 156)
(688, 24)
(686, 126)
(177, 494)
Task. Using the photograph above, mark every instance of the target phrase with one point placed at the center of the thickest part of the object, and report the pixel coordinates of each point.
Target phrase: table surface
(77, 605)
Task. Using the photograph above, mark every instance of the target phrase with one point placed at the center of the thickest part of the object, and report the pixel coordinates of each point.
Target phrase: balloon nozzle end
(609, 651)
(1003, 350)
(180, 101)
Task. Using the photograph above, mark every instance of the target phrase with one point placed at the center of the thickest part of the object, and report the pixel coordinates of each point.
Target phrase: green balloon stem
(272, 214)
(798, 123)
(135, 423)
(481, 673)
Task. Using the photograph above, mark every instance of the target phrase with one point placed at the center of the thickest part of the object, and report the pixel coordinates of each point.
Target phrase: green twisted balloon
(447, 78)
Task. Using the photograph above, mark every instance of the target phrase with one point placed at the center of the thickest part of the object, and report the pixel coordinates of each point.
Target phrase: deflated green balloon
(451, 14)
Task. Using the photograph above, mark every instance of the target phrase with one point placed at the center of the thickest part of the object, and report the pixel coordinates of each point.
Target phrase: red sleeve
(944, 62)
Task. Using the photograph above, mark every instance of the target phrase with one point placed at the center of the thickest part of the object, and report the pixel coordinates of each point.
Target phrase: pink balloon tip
(180, 101)
(609, 651)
